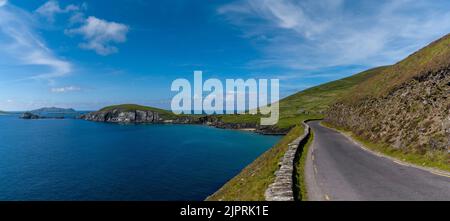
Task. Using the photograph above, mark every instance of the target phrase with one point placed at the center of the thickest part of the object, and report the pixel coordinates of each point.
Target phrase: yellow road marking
(315, 169)
(327, 197)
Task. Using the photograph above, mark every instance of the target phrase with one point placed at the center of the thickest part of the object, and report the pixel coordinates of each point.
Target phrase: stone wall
(283, 187)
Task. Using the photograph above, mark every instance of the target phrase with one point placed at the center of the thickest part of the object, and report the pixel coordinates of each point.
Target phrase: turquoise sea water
(79, 160)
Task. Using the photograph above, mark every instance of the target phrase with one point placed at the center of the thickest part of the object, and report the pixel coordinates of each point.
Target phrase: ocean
(70, 159)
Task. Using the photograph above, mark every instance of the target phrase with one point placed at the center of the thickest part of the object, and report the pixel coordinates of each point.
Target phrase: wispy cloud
(51, 8)
(100, 35)
(3, 2)
(65, 89)
(309, 34)
(21, 45)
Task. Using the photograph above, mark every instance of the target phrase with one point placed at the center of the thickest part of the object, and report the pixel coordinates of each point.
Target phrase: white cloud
(65, 89)
(22, 46)
(3, 2)
(77, 17)
(310, 34)
(100, 34)
(51, 8)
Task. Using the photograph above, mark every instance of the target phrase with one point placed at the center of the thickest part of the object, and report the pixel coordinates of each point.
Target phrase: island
(50, 113)
(138, 114)
(29, 116)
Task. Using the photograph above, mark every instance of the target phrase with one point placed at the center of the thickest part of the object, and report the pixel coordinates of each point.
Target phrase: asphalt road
(338, 169)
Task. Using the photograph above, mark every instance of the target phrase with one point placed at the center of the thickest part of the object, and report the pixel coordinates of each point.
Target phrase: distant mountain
(53, 110)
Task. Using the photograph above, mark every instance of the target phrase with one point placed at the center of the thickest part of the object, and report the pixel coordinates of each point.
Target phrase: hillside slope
(308, 104)
(406, 106)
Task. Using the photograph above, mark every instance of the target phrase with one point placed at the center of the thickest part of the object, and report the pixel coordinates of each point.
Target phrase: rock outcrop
(119, 115)
(414, 116)
(29, 116)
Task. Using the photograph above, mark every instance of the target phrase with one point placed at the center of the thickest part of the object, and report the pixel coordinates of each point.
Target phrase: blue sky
(88, 54)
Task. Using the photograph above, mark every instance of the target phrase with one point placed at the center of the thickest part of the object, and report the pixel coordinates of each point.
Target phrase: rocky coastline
(154, 117)
(32, 116)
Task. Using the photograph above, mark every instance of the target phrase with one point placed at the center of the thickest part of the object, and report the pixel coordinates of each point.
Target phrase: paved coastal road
(338, 169)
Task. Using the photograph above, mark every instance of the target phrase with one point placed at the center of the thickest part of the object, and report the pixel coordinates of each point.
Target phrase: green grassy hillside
(431, 58)
(310, 103)
(405, 108)
(134, 107)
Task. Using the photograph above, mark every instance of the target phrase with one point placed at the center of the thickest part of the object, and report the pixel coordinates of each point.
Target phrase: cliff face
(120, 115)
(415, 116)
(406, 107)
(28, 116)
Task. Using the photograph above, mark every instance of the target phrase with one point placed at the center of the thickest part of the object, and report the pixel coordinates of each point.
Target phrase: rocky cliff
(140, 114)
(414, 116)
(406, 107)
(118, 116)
(29, 116)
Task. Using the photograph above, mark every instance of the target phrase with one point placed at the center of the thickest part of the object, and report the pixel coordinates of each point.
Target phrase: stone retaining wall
(283, 187)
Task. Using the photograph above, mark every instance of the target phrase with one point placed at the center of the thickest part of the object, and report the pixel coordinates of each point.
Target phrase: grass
(134, 107)
(436, 159)
(308, 104)
(431, 58)
(316, 100)
(240, 118)
(300, 185)
(251, 183)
